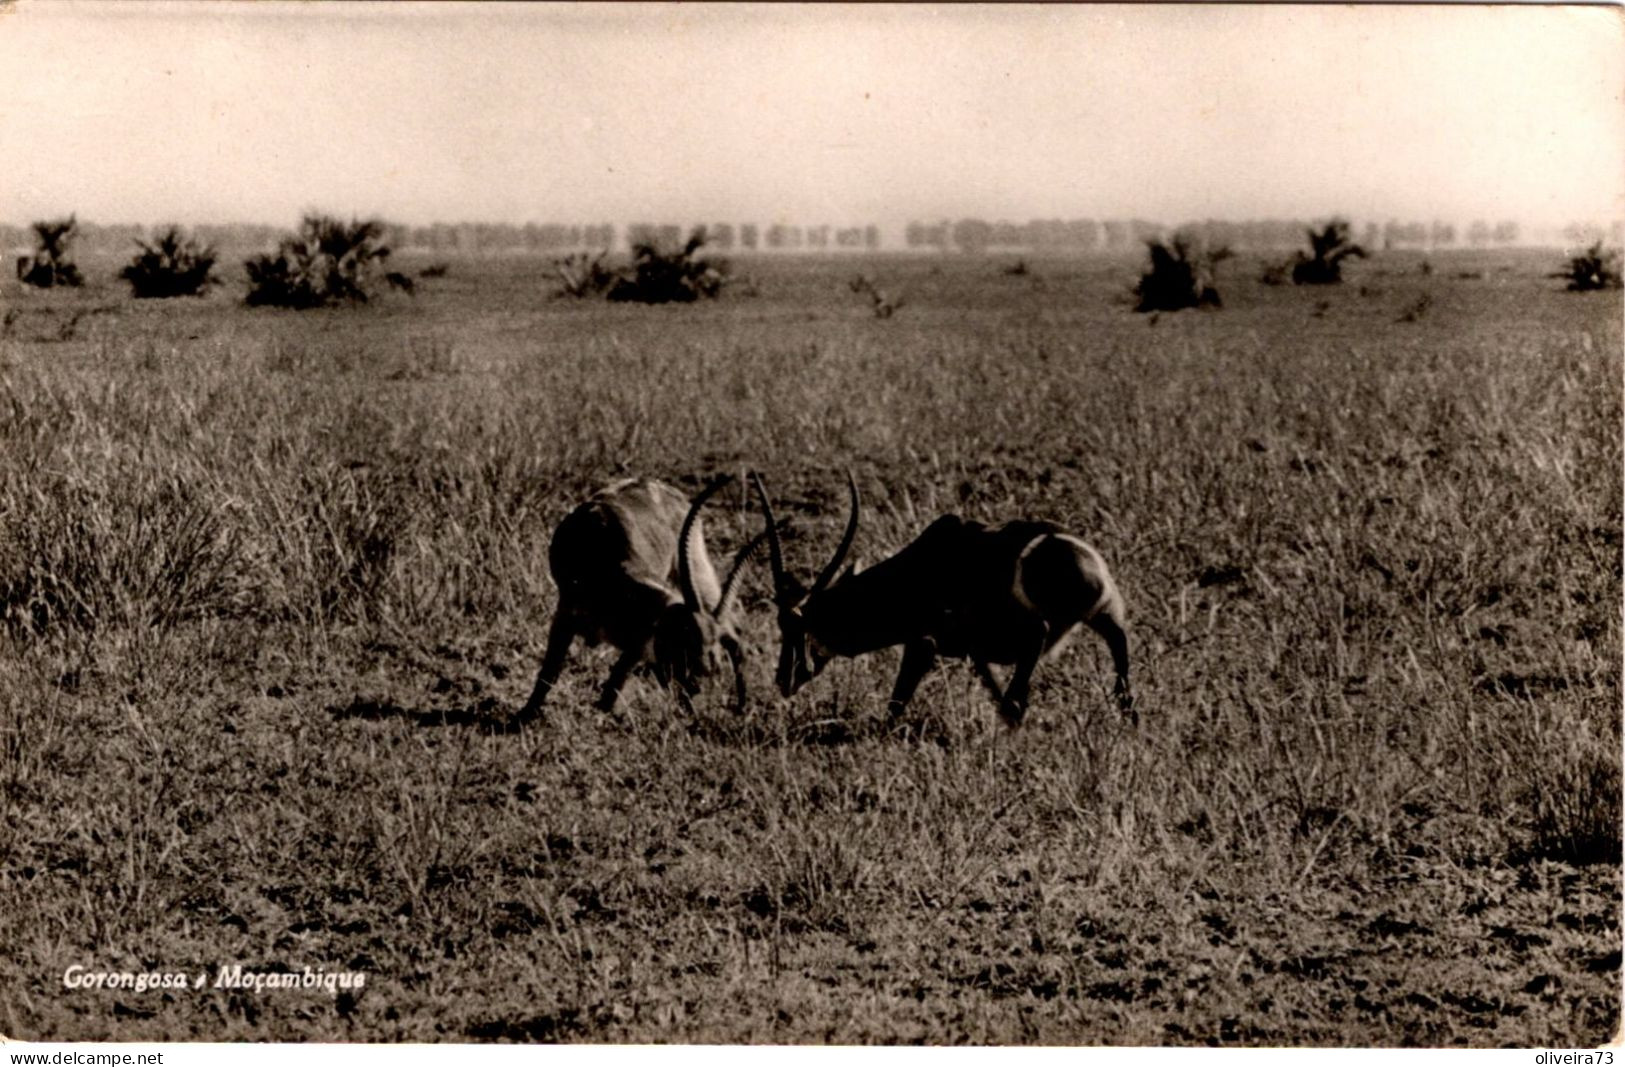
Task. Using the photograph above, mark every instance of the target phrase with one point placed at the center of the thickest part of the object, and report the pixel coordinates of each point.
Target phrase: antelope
(1006, 594)
(631, 568)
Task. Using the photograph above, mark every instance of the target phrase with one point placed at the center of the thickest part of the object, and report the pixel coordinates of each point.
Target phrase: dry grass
(270, 577)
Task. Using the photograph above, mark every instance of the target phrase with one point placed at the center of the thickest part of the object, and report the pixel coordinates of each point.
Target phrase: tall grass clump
(1562, 766)
(322, 541)
(353, 525)
(113, 549)
(328, 262)
(1575, 809)
(52, 263)
(173, 265)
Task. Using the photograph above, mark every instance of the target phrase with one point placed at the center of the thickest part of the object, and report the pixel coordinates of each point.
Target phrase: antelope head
(802, 655)
(688, 634)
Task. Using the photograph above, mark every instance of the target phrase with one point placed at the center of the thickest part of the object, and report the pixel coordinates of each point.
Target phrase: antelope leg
(918, 657)
(559, 638)
(985, 673)
(1117, 641)
(617, 678)
(1013, 706)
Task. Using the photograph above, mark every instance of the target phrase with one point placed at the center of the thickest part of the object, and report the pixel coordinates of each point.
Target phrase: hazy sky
(842, 114)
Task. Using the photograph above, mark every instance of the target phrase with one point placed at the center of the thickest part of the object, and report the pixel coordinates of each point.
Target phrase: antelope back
(628, 532)
(899, 598)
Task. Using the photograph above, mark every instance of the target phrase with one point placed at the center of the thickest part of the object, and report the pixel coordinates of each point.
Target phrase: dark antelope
(632, 570)
(1007, 594)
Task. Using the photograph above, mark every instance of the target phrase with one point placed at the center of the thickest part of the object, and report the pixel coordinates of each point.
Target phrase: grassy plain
(271, 582)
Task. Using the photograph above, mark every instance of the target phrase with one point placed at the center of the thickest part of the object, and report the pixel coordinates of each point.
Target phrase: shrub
(1324, 264)
(581, 275)
(882, 304)
(1181, 276)
(661, 277)
(51, 264)
(172, 266)
(1593, 269)
(328, 262)
(1415, 312)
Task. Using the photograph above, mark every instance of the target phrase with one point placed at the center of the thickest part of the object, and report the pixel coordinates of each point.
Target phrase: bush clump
(173, 265)
(676, 277)
(327, 263)
(1329, 247)
(1595, 268)
(1181, 276)
(52, 263)
(582, 275)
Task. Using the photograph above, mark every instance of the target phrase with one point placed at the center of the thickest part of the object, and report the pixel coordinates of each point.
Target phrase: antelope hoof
(1012, 713)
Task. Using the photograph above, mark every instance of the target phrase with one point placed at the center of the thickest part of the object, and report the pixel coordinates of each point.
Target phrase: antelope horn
(774, 550)
(685, 538)
(847, 538)
(736, 656)
(730, 583)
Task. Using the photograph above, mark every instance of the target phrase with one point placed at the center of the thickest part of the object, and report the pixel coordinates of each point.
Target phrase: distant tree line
(966, 235)
(330, 262)
(1089, 235)
(1073, 235)
(120, 238)
(500, 237)
(1590, 233)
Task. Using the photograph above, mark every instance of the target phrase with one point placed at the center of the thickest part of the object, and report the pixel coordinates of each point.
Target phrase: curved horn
(685, 537)
(730, 583)
(834, 565)
(736, 656)
(774, 549)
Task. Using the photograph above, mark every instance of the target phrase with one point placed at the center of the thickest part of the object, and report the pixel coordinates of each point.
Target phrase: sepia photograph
(818, 525)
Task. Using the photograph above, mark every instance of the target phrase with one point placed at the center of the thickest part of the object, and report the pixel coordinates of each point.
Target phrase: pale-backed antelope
(631, 568)
(1007, 594)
